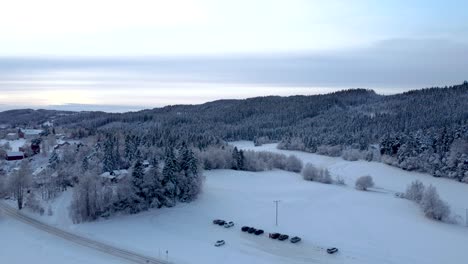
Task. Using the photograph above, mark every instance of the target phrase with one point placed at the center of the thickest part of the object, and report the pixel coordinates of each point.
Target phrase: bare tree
(19, 182)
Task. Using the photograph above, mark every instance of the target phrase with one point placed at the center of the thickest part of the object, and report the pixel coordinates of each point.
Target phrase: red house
(14, 155)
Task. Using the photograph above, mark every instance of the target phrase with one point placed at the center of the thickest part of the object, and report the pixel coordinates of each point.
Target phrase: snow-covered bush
(293, 164)
(333, 151)
(433, 206)
(49, 211)
(364, 182)
(311, 173)
(415, 191)
(351, 154)
(33, 204)
(216, 158)
(339, 180)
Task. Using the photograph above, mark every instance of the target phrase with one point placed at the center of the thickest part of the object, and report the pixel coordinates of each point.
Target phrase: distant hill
(424, 129)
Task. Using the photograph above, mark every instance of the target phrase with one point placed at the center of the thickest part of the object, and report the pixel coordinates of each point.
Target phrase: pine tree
(85, 164)
(54, 160)
(108, 161)
(169, 178)
(138, 179)
(235, 159)
(240, 160)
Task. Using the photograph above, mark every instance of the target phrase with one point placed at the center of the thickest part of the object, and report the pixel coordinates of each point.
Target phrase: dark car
(295, 239)
(274, 235)
(251, 230)
(216, 221)
(283, 237)
(332, 250)
(259, 232)
(221, 222)
(245, 228)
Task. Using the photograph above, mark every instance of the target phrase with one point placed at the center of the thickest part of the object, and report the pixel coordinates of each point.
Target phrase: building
(115, 176)
(14, 155)
(30, 133)
(12, 136)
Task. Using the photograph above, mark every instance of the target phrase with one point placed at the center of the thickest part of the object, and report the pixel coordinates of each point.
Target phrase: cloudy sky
(146, 53)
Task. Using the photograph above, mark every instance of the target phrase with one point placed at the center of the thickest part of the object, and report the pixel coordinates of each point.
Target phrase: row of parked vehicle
(282, 237)
(223, 223)
(252, 230)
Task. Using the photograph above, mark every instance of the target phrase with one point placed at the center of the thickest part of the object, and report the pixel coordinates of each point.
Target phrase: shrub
(433, 206)
(415, 191)
(351, 154)
(364, 182)
(293, 164)
(339, 180)
(310, 173)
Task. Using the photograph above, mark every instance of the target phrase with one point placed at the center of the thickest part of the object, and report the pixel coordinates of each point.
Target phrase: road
(128, 255)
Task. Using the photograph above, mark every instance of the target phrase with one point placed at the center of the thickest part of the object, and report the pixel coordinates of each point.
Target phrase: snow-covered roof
(31, 131)
(11, 134)
(14, 153)
(116, 174)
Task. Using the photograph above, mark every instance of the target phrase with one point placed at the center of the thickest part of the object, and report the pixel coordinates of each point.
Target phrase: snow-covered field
(22, 244)
(367, 227)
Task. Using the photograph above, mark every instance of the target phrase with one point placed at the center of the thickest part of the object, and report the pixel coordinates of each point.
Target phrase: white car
(229, 224)
(219, 243)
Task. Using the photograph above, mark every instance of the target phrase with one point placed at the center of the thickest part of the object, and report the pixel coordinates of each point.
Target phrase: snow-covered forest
(424, 130)
(130, 162)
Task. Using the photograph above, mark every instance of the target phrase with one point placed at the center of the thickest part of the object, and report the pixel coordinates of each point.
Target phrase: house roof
(31, 131)
(14, 154)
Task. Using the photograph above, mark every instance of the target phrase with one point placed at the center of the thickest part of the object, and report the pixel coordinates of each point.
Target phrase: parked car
(245, 228)
(283, 237)
(251, 230)
(219, 243)
(400, 195)
(332, 250)
(274, 235)
(229, 224)
(216, 221)
(295, 239)
(258, 232)
(221, 222)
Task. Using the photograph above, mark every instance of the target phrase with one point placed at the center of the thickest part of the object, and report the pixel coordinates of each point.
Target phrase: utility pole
(276, 203)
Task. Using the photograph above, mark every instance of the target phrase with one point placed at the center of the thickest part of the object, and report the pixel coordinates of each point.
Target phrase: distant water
(128, 84)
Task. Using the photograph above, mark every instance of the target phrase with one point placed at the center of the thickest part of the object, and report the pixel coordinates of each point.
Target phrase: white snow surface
(22, 244)
(368, 227)
(14, 144)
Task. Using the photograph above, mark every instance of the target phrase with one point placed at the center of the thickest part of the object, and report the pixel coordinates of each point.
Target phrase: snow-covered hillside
(367, 227)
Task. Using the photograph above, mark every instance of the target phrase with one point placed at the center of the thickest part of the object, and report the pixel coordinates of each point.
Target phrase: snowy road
(107, 249)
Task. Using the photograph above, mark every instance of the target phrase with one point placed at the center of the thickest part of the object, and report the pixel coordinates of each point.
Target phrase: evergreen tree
(169, 178)
(235, 159)
(240, 160)
(54, 160)
(138, 183)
